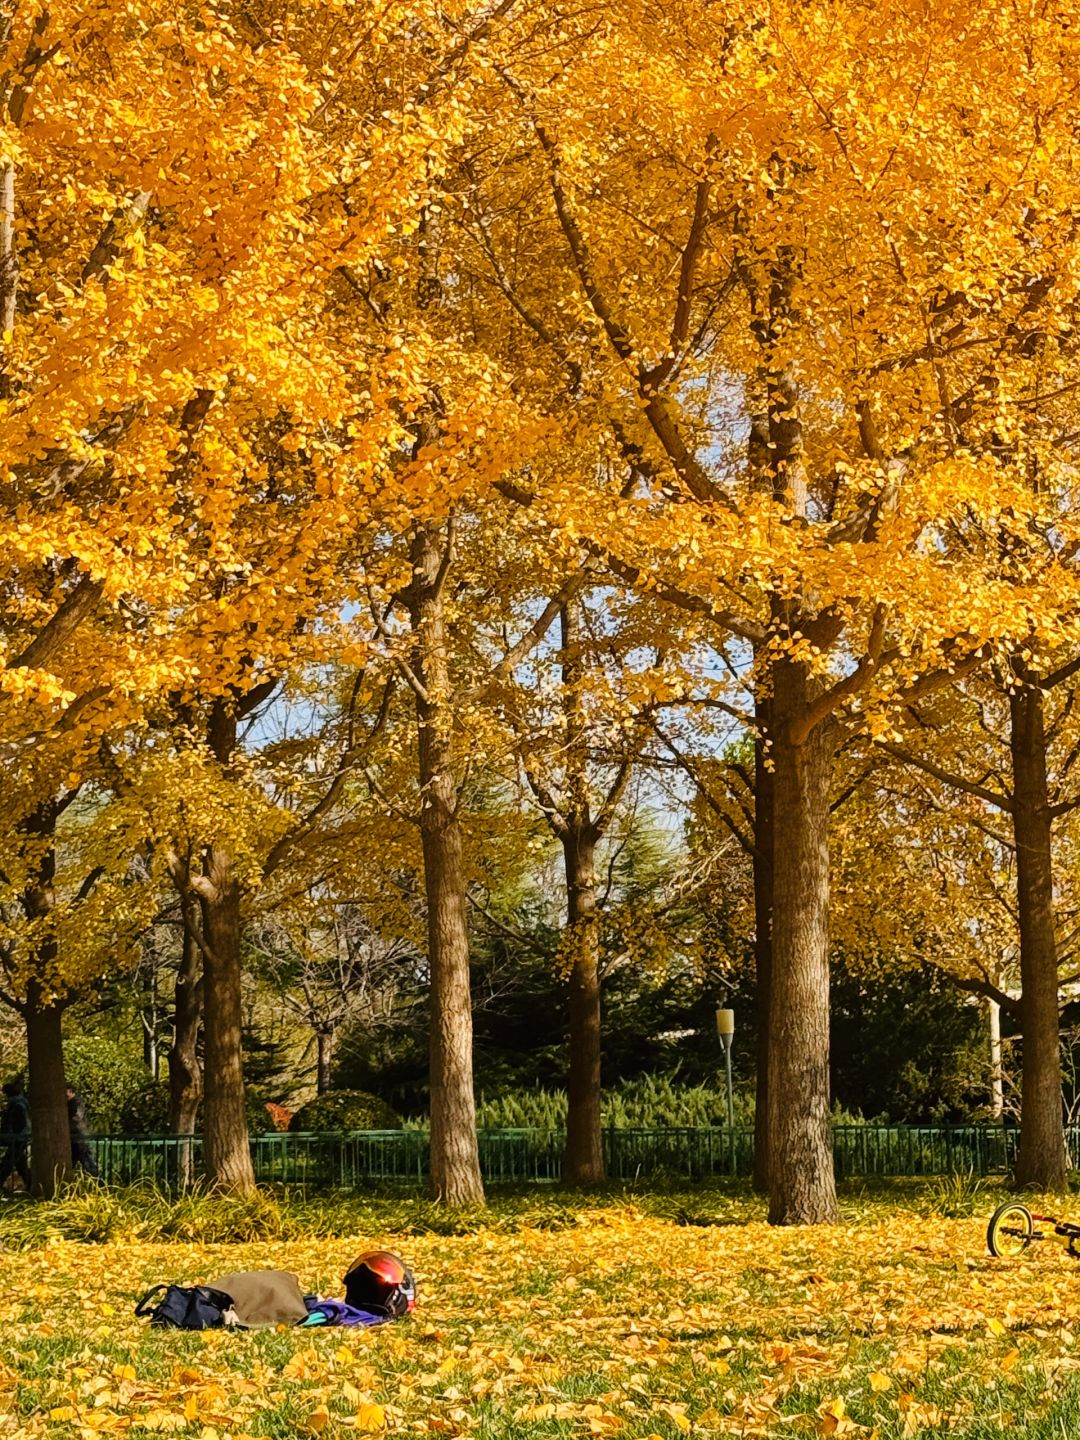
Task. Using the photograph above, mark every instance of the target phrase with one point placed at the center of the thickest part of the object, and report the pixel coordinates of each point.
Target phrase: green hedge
(648, 1102)
(146, 1112)
(106, 1074)
(346, 1110)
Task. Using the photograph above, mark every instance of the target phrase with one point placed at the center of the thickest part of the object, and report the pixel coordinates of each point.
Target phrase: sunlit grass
(605, 1318)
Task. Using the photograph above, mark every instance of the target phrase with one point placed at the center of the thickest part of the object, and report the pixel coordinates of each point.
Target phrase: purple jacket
(336, 1312)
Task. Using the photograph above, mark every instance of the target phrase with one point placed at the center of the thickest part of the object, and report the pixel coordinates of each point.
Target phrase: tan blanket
(262, 1298)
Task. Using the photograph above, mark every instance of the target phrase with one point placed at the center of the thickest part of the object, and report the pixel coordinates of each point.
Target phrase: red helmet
(380, 1281)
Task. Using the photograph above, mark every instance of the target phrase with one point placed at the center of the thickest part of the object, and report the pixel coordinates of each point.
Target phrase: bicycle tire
(1010, 1231)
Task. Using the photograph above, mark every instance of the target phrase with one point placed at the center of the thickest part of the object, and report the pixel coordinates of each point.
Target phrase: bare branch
(346, 766)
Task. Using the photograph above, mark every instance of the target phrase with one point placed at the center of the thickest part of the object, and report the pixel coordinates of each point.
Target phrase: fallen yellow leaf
(318, 1420)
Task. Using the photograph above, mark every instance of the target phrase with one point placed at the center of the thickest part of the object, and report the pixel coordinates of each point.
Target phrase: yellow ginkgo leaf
(677, 1414)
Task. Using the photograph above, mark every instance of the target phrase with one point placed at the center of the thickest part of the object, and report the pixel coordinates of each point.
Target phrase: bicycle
(1012, 1229)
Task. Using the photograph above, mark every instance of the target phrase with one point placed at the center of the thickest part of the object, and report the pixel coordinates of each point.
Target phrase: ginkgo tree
(145, 222)
(579, 713)
(784, 272)
(194, 420)
(996, 756)
(763, 316)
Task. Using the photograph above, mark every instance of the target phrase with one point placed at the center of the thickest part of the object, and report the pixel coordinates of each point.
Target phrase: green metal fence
(321, 1161)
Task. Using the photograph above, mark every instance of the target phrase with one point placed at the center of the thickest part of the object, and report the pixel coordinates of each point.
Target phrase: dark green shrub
(147, 1112)
(346, 1110)
(106, 1074)
(648, 1102)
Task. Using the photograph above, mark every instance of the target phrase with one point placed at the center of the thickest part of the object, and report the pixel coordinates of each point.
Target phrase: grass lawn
(559, 1321)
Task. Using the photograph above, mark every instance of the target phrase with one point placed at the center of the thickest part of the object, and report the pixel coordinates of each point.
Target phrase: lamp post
(725, 1028)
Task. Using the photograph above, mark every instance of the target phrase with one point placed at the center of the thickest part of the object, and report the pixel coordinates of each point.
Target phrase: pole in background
(997, 1088)
(725, 1028)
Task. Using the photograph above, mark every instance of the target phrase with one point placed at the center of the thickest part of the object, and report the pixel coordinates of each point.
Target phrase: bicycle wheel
(1010, 1230)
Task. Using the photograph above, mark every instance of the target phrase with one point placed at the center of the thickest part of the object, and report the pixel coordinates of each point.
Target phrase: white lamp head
(725, 1023)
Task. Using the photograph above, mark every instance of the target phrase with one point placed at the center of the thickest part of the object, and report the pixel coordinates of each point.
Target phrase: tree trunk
(455, 1156)
(185, 1072)
(763, 902)
(226, 1146)
(9, 268)
(802, 1187)
(583, 1163)
(1041, 1163)
(324, 1041)
(50, 1134)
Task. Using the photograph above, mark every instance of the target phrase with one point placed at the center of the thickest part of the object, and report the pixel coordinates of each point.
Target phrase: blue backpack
(186, 1307)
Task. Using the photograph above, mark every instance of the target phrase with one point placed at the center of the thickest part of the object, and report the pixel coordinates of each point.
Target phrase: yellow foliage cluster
(766, 311)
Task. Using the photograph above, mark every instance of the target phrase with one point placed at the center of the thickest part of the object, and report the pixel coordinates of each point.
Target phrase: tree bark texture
(50, 1133)
(763, 902)
(149, 1018)
(185, 1071)
(455, 1157)
(226, 1146)
(802, 1187)
(1041, 1163)
(9, 258)
(583, 1162)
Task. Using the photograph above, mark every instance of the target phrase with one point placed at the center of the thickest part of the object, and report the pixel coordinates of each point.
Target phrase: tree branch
(869, 664)
(987, 989)
(329, 799)
(54, 635)
(947, 777)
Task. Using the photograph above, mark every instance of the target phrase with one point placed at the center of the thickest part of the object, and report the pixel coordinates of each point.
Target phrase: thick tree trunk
(583, 1162)
(455, 1156)
(226, 1146)
(50, 1134)
(324, 1042)
(802, 1188)
(185, 1072)
(1041, 1162)
(763, 902)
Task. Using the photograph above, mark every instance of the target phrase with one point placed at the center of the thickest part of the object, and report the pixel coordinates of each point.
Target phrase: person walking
(81, 1154)
(15, 1129)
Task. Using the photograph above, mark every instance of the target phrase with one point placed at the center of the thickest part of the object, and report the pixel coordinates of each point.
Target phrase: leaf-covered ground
(621, 1325)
